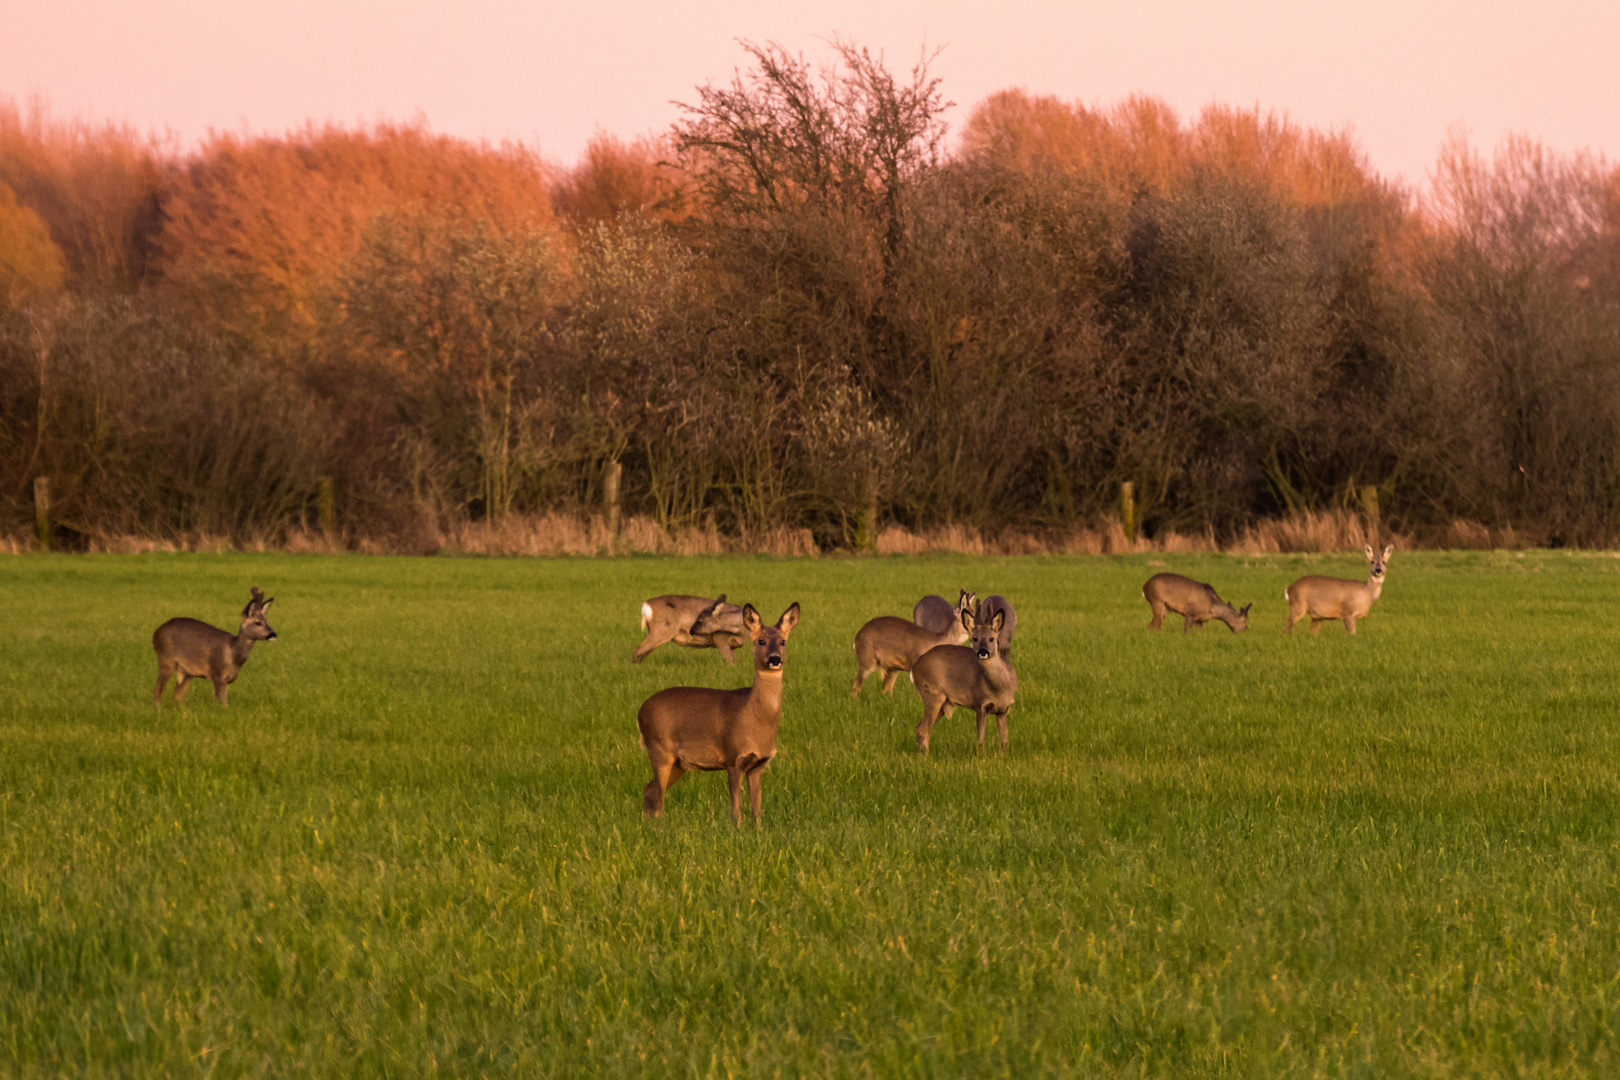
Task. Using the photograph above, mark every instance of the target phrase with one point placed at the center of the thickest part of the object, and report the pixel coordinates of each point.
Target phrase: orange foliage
(1142, 143)
(29, 261)
(259, 228)
(616, 176)
(97, 190)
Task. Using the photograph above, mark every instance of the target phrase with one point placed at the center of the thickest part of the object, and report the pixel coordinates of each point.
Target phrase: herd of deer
(957, 656)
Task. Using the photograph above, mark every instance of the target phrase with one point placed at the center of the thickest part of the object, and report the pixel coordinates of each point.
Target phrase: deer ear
(789, 619)
(1368, 549)
(266, 605)
(1388, 551)
(1246, 608)
(999, 621)
(751, 620)
(966, 615)
(718, 601)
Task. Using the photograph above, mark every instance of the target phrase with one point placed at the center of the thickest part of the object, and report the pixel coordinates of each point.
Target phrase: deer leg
(1350, 623)
(164, 671)
(1316, 625)
(734, 776)
(724, 649)
(890, 676)
(222, 687)
(182, 683)
(979, 720)
(864, 667)
(1187, 622)
(664, 777)
(932, 707)
(1158, 614)
(655, 637)
(756, 778)
(1001, 723)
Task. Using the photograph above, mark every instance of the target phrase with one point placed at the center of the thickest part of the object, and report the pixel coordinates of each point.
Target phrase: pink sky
(1399, 73)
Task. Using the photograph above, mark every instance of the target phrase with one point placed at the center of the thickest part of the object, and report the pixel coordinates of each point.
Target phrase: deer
(935, 614)
(892, 644)
(987, 610)
(693, 621)
(1323, 598)
(1195, 601)
(691, 727)
(975, 676)
(191, 649)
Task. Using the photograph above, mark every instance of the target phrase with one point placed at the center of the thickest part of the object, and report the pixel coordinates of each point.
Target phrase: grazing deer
(1195, 601)
(893, 644)
(975, 677)
(191, 649)
(691, 727)
(936, 615)
(1322, 598)
(987, 611)
(694, 621)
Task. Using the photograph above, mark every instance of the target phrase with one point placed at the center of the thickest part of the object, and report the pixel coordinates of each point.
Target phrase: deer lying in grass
(975, 677)
(689, 727)
(693, 621)
(191, 649)
(892, 645)
(1322, 598)
(1196, 602)
(936, 614)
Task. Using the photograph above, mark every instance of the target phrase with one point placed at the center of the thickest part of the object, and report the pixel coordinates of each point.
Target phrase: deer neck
(1374, 587)
(765, 697)
(997, 671)
(241, 645)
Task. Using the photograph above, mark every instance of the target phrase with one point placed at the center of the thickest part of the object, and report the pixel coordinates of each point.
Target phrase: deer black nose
(774, 660)
(984, 654)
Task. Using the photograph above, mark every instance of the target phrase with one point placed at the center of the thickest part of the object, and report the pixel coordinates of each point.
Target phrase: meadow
(412, 844)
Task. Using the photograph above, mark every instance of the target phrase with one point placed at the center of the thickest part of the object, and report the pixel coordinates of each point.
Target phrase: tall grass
(412, 844)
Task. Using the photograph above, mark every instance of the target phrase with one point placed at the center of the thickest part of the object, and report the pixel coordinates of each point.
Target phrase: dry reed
(555, 534)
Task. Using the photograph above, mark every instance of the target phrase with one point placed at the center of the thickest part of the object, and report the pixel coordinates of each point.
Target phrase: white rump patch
(646, 615)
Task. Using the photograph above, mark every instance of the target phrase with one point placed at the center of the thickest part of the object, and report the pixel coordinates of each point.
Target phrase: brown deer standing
(694, 621)
(191, 649)
(892, 644)
(691, 727)
(975, 677)
(936, 614)
(1195, 601)
(1322, 598)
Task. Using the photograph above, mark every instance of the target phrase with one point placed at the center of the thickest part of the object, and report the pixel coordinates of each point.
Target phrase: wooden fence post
(325, 507)
(867, 517)
(1369, 506)
(1127, 509)
(42, 511)
(611, 506)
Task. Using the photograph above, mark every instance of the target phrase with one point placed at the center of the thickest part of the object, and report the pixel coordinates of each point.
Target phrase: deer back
(897, 642)
(937, 615)
(193, 645)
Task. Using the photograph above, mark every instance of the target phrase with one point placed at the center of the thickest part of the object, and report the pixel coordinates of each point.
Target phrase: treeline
(804, 308)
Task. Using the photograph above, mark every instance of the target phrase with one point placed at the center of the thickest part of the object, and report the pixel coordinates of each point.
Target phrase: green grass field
(413, 843)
